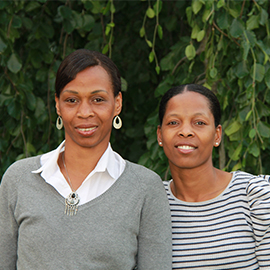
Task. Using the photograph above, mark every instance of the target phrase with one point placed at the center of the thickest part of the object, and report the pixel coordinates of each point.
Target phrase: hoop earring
(117, 122)
(59, 122)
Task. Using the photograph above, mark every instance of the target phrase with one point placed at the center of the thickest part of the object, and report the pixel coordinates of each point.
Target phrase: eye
(172, 123)
(98, 99)
(200, 123)
(71, 100)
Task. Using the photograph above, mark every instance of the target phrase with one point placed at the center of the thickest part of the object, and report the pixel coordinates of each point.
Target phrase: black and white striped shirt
(231, 231)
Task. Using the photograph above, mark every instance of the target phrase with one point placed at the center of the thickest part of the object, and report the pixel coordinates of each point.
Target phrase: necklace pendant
(71, 204)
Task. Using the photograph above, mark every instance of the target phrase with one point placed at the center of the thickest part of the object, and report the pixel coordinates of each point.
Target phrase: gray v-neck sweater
(129, 224)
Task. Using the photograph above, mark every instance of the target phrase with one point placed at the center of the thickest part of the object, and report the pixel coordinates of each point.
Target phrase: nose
(85, 110)
(185, 131)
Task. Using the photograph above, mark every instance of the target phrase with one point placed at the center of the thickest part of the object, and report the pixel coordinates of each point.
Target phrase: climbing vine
(224, 45)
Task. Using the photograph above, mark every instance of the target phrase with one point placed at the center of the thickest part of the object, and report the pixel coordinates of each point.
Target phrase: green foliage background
(224, 45)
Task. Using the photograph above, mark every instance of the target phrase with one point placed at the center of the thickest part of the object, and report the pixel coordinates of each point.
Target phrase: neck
(200, 184)
(79, 161)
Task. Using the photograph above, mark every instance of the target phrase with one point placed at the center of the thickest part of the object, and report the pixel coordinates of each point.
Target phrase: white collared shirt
(108, 169)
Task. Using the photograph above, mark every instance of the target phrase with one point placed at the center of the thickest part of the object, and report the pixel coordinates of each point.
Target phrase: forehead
(189, 102)
(95, 77)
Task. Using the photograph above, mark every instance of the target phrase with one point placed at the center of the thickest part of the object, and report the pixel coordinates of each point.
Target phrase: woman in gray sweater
(82, 206)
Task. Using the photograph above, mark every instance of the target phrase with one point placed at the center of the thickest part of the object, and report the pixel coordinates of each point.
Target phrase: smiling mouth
(185, 147)
(86, 129)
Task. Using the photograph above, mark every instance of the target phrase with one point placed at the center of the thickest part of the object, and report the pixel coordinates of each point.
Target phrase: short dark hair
(80, 60)
(213, 101)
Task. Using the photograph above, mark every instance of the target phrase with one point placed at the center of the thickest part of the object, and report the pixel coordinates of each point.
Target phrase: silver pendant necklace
(72, 200)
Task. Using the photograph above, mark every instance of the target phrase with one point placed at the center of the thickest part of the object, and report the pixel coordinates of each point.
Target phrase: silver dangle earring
(59, 122)
(117, 122)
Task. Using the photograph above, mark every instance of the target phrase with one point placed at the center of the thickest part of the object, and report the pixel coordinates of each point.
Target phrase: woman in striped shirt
(220, 220)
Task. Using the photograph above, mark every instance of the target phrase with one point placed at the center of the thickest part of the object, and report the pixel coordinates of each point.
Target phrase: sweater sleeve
(259, 202)
(8, 224)
(154, 240)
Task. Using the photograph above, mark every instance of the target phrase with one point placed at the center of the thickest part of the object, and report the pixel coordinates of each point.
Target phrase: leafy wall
(224, 45)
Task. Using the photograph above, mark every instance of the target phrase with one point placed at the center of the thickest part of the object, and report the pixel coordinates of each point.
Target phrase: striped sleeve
(258, 192)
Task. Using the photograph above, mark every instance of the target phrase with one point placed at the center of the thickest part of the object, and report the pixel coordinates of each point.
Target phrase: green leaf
(31, 100)
(124, 85)
(107, 31)
(206, 15)
(88, 22)
(112, 8)
(105, 49)
(200, 35)
(157, 69)
(252, 133)
(150, 13)
(267, 78)
(27, 23)
(96, 6)
(246, 48)
(14, 63)
(236, 29)
(237, 152)
(151, 56)
(142, 32)
(248, 115)
(149, 43)
(195, 31)
(40, 108)
(249, 92)
(160, 31)
(3, 45)
(233, 128)
(253, 22)
(251, 37)
(30, 148)
(157, 7)
(190, 52)
(241, 70)
(223, 21)
(31, 6)
(189, 14)
(237, 166)
(254, 149)
(221, 3)
(196, 6)
(16, 22)
(263, 17)
(213, 72)
(263, 129)
(68, 26)
(259, 72)
(234, 13)
(14, 110)
(65, 12)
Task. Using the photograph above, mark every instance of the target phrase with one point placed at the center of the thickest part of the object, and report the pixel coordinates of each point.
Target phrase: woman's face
(87, 106)
(188, 131)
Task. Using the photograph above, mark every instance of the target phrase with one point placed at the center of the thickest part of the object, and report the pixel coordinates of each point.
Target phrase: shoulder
(141, 171)
(21, 167)
(142, 175)
(257, 188)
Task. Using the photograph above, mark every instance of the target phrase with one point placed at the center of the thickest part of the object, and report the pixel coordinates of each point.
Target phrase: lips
(86, 131)
(186, 148)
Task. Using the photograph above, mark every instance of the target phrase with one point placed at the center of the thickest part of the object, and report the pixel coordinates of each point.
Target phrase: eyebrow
(76, 92)
(196, 114)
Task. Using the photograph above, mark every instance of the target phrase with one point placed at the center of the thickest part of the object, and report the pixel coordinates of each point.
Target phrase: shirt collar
(49, 164)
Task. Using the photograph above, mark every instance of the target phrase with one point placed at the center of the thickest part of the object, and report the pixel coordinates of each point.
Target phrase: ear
(118, 103)
(57, 105)
(218, 136)
(159, 135)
